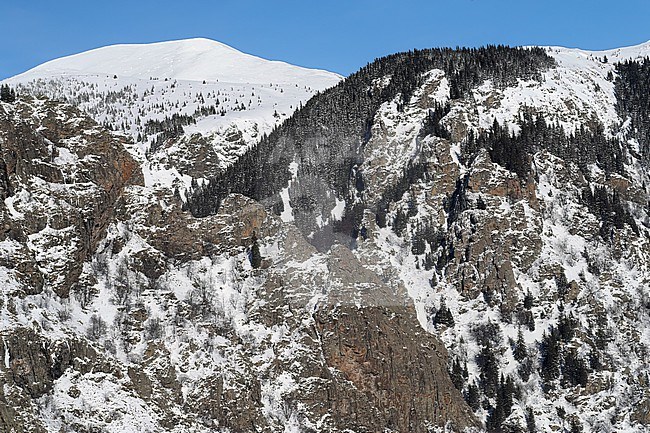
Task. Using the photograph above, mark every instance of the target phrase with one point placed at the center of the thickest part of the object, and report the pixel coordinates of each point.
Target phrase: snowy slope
(190, 59)
(580, 87)
(227, 99)
(577, 57)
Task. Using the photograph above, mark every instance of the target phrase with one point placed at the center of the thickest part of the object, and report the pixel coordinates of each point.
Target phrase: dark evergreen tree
(530, 420)
(632, 87)
(443, 315)
(432, 125)
(412, 206)
(472, 397)
(457, 375)
(400, 221)
(527, 319)
(255, 255)
(418, 241)
(503, 406)
(488, 334)
(520, 351)
(458, 202)
(562, 284)
(528, 300)
(610, 211)
(550, 350)
(7, 94)
(489, 371)
(566, 327)
(575, 369)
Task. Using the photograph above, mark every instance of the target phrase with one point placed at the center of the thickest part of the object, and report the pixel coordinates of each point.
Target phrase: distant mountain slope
(577, 57)
(189, 59)
(192, 106)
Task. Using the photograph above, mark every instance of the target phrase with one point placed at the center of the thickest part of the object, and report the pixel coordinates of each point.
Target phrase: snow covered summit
(189, 59)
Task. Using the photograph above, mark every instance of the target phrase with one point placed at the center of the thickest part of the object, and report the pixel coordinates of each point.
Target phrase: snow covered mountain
(189, 59)
(446, 240)
(193, 106)
(506, 190)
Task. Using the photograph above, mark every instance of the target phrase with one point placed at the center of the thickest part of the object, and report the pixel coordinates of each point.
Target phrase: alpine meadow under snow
(199, 240)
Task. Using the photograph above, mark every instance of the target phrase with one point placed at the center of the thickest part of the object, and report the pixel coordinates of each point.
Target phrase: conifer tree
(443, 315)
(489, 368)
(530, 420)
(575, 370)
(7, 94)
(458, 375)
(551, 355)
(520, 351)
(255, 255)
(472, 397)
(528, 300)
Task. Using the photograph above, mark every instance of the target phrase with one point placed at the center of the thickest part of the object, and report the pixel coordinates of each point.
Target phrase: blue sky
(337, 35)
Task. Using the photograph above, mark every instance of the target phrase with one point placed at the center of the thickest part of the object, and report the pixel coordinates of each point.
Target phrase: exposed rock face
(191, 336)
(63, 175)
(398, 371)
(31, 365)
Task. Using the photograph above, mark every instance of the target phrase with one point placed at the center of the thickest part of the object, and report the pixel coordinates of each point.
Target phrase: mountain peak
(195, 59)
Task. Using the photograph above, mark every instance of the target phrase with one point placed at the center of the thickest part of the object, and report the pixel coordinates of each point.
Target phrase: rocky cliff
(122, 311)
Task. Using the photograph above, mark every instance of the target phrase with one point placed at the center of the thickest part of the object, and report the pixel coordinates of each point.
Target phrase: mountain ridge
(104, 60)
(448, 240)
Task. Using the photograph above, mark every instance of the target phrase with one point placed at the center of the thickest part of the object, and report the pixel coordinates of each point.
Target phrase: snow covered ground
(225, 99)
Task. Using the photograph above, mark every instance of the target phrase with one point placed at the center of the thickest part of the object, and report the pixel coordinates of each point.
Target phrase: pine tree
(575, 370)
(503, 404)
(472, 397)
(551, 355)
(457, 376)
(530, 420)
(528, 300)
(489, 371)
(566, 327)
(7, 94)
(520, 351)
(443, 315)
(255, 255)
(400, 222)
